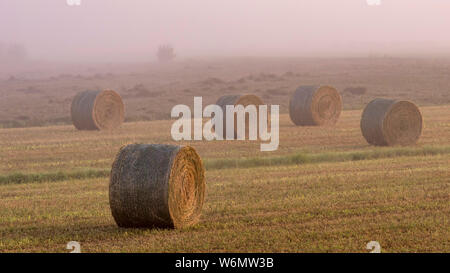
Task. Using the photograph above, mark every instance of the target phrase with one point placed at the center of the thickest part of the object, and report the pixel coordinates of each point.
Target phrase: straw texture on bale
(315, 105)
(154, 185)
(388, 122)
(243, 100)
(97, 110)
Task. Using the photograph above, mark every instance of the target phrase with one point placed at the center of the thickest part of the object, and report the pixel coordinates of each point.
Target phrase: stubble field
(324, 190)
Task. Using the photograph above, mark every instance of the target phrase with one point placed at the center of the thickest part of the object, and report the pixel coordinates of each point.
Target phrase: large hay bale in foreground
(243, 100)
(315, 105)
(153, 185)
(97, 110)
(388, 122)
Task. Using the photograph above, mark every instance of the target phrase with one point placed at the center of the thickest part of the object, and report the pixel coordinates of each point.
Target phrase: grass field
(324, 190)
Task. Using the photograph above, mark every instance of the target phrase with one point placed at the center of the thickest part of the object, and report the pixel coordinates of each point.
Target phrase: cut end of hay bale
(386, 122)
(155, 185)
(186, 188)
(244, 100)
(97, 110)
(315, 105)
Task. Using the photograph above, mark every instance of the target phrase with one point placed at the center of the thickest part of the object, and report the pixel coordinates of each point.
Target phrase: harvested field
(149, 90)
(324, 190)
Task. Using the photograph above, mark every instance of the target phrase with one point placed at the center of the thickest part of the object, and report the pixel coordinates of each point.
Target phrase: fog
(131, 30)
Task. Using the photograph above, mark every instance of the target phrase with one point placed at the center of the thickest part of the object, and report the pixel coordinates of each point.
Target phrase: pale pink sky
(130, 30)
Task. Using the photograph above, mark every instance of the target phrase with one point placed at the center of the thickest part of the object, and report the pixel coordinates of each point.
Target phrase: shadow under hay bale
(386, 122)
(244, 100)
(314, 105)
(154, 185)
(97, 110)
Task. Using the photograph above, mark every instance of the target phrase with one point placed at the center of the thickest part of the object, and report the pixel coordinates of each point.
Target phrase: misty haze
(129, 30)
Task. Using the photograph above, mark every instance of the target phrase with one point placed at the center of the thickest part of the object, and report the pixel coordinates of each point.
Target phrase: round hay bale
(97, 110)
(154, 185)
(243, 100)
(315, 105)
(386, 122)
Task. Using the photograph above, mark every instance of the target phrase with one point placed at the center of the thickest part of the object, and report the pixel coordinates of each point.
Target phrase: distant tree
(165, 53)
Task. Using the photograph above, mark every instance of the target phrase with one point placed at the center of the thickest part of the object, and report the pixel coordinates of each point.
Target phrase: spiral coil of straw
(387, 122)
(97, 110)
(314, 105)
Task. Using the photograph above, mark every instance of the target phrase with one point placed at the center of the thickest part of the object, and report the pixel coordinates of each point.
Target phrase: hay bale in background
(388, 122)
(243, 100)
(155, 185)
(314, 105)
(97, 110)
